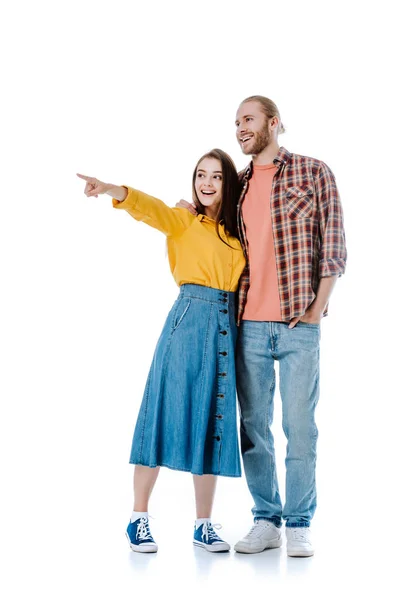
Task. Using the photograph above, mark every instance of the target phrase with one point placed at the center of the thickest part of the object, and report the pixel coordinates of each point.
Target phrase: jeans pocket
(316, 326)
(180, 311)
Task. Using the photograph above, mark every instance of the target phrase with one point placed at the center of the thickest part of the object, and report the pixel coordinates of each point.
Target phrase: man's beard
(260, 141)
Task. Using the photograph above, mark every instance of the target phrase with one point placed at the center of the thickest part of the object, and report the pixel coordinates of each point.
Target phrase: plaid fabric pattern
(307, 224)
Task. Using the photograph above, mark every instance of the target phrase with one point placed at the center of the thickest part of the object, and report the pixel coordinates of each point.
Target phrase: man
(291, 230)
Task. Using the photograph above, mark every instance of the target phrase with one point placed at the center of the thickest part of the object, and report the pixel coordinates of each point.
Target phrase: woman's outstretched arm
(94, 187)
(141, 206)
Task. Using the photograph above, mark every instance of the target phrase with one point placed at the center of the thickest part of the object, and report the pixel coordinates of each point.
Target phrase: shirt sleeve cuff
(332, 266)
(129, 201)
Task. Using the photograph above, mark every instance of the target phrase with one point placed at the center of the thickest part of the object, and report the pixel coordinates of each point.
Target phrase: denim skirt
(187, 419)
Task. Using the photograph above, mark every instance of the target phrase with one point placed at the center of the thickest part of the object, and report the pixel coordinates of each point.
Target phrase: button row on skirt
(223, 353)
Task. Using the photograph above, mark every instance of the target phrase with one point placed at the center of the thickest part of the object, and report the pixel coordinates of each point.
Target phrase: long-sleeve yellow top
(195, 252)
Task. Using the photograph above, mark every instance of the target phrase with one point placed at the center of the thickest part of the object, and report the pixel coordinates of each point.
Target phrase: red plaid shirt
(307, 225)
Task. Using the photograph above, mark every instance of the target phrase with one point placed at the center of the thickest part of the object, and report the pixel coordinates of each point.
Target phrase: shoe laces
(143, 529)
(299, 534)
(208, 532)
(256, 528)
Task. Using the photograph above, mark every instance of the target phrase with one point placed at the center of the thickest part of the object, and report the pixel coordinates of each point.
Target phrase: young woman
(187, 419)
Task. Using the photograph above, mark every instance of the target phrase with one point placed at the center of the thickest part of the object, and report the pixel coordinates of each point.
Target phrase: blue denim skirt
(187, 419)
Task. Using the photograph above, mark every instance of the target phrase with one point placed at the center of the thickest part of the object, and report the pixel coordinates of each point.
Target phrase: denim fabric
(187, 419)
(297, 350)
(139, 532)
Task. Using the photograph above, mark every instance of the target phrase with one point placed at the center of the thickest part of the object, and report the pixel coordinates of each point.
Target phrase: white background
(133, 93)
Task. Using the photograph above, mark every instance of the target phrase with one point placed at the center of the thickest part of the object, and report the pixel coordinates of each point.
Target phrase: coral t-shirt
(263, 302)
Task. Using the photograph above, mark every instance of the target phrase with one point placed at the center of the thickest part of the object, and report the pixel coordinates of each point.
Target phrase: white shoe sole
(300, 553)
(213, 547)
(244, 549)
(142, 548)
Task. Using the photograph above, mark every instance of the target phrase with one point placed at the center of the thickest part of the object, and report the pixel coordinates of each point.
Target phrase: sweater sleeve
(142, 207)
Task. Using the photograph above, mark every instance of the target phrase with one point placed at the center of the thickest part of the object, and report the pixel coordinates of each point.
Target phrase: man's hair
(268, 107)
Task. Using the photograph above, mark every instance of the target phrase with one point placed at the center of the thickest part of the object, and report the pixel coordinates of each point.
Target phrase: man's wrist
(315, 312)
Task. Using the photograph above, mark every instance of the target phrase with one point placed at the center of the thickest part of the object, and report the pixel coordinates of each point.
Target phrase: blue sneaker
(139, 536)
(205, 537)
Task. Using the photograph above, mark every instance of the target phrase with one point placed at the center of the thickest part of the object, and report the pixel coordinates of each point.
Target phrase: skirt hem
(183, 469)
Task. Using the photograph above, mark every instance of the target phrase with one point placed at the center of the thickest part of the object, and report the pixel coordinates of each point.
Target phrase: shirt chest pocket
(300, 201)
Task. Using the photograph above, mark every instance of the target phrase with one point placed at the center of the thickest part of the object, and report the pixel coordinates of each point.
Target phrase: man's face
(252, 131)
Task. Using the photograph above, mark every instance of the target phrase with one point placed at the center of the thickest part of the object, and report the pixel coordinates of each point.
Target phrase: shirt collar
(281, 158)
(205, 218)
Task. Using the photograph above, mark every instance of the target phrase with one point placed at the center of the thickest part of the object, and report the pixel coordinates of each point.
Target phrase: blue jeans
(297, 350)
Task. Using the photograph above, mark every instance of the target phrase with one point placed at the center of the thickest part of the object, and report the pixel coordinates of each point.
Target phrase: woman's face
(208, 183)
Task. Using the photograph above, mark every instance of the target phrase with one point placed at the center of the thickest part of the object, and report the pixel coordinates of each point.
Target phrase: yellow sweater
(195, 253)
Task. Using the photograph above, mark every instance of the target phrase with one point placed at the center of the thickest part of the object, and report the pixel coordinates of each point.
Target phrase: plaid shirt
(307, 225)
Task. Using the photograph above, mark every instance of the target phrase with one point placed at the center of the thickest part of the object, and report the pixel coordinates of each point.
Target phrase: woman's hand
(94, 187)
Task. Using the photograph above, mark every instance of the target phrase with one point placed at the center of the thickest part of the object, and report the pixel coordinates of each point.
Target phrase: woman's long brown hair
(230, 193)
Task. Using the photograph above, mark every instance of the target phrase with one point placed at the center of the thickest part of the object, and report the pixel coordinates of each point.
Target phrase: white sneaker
(298, 541)
(261, 536)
